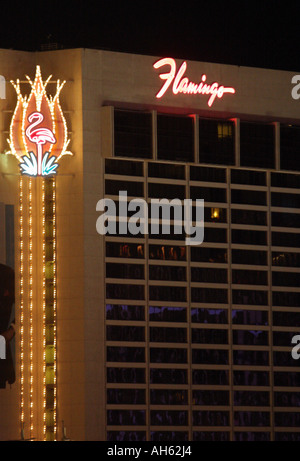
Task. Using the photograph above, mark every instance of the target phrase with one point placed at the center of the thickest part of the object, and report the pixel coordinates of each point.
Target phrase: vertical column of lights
(49, 308)
(21, 235)
(30, 311)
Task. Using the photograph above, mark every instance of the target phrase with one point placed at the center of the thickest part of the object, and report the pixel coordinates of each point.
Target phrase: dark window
(123, 167)
(166, 170)
(126, 396)
(175, 273)
(167, 314)
(167, 355)
(291, 181)
(211, 436)
(285, 219)
(287, 399)
(251, 418)
(134, 189)
(210, 418)
(210, 356)
(255, 358)
(207, 174)
(210, 397)
(213, 255)
(133, 133)
(126, 375)
(115, 291)
(285, 200)
(168, 397)
(205, 315)
(250, 338)
(283, 338)
(208, 275)
(281, 298)
(249, 197)
(285, 239)
(162, 293)
(284, 359)
(257, 218)
(287, 436)
(251, 398)
(205, 336)
(249, 237)
(216, 141)
(168, 376)
(169, 191)
(125, 354)
(286, 279)
(125, 333)
(244, 317)
(124, 312)
(208, 194)
(286, 379)
(168, 418)
(124, 250)
(213, 234)
(175, 138)
(287, 419)
(245, 277)
(255, 297)
(209, 295)
(210, 377)
(250, 378)
(252, 436)
(218, 215)
(285, 259)
(126, 436)
(255, 178)
(168, 335)
(289, 147)
(257, 145)
(291, 319)
(250, 257)
(125, 271)
(126, 417)
(169, 436)
(167, 252)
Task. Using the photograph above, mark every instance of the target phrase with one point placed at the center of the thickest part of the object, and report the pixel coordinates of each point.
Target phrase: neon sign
(182, 84)
(38, 130)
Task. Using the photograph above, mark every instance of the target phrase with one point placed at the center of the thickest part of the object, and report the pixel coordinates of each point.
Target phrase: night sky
(259, 34)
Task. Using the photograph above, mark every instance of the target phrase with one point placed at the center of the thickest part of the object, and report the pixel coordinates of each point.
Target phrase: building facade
(156, 339)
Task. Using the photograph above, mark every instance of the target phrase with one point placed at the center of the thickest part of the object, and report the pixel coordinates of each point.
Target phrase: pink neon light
(39, 136)
(182, 84)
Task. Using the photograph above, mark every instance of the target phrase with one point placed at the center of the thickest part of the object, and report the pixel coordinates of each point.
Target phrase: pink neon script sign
(182, 84)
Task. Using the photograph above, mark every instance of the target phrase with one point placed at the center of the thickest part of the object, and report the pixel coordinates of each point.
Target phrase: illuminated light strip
(30, 311)
(21, 274)
(44, 310)
(183, 85)
(54, 302)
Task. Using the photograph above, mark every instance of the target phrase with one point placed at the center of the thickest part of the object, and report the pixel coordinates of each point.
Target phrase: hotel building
(147, 338)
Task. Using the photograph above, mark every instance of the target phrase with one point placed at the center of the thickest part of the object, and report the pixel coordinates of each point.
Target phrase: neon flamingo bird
(39, 136)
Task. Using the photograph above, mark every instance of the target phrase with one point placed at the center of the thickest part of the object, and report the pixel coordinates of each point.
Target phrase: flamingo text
(183, 85)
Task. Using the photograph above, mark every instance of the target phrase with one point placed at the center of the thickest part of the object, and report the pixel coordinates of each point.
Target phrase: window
(286, 279)
(124, 312)
(166, 170)
(213, 255)
(210, 356)
(250, 257)
(209, 295)
(124, 250)
(206, 336)
(248, 357)
(281, 298)
(256, 218)
(247, 317)
(291, 181)
(123, 167)
(285, 200)
(283, 338)
(255, 178)
(126, 396)
(126, 375)
(207, 174)
(115, 291)
(210, 377)
(285, 259)
(285, 318)
(208, 275)
(209, 194)
(167, 252)
(286, 379)
(216, 141)
(206, 315)
(213, 234)
(285, 239)
(169, 436)
(124, 333)
(167, 355)
(125, 354)
(251, 418)
(249, 237)
(210, 397)
(126, 417)
(168, 418)
(125, 271)
(168, 376)
(249, 197)
(175, 273)
(163, 293)
(169, 191)
(126, 436)
(255, 297)
(257, 145)
(286, 220)
(250, 337)
(134, 189)
(167, 314)
(245, 277)
(287, 399)
(168, 335)
(175, 138)
(250, 378)
(251, 398)
(133, 133)
(210, 418)
(289, 147)
(211, 436)
(168, 397)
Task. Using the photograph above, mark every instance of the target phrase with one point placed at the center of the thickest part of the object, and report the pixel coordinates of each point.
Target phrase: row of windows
(133, 137)
(202, 173)
(219, 436)
(202, 315)
(201, 418)
(199, 356)
(202, 377)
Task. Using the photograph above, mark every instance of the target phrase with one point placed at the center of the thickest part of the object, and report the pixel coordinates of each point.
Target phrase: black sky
(259, 34)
